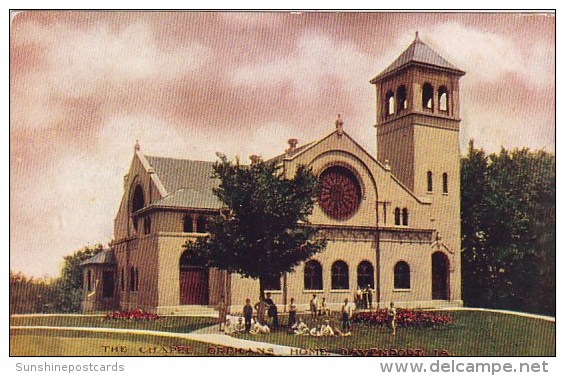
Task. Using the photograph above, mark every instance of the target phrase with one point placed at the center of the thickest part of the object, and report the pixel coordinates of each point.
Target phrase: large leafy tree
(69, 286)
(61, 294)
(264, 232)
(508, 229)
(29, 294)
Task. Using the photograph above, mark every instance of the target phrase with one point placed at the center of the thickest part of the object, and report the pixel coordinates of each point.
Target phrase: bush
(135, 314)
(404, 318)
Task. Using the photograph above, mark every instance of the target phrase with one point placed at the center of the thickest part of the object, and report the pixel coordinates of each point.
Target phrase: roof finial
(137, 147)
(417, 39)
(339, 125)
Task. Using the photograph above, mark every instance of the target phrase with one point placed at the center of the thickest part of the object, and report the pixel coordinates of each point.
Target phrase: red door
(194, 286)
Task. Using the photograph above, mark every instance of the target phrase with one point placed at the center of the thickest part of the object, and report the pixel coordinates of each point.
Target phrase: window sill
(445, 193)
(277, 292)
(340, 291)
(401, 290)
(430, 192)
(313, 291)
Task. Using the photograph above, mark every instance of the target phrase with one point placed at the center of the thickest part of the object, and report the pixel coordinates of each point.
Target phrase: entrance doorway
(193, 281)
(440, 276)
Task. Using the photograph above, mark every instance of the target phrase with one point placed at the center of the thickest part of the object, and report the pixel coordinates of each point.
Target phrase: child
(326, 329)
(240, 326)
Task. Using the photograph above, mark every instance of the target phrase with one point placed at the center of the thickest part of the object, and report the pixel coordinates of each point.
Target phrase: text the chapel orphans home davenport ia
(392, 222)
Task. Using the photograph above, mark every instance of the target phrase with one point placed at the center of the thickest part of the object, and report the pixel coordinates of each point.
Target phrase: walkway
(209, 335)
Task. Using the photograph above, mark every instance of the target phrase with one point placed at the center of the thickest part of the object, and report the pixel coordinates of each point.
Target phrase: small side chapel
(392, 220)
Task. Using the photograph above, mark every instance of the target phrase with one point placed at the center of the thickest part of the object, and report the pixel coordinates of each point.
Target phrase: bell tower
(418, 133)
(418, 118)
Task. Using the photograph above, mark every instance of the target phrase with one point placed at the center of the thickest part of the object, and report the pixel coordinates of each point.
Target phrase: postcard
(225, 184)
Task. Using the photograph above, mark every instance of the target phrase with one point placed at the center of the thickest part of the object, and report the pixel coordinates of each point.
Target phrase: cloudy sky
(84, 86)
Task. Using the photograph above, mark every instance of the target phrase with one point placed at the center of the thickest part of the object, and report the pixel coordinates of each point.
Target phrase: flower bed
(404, 318)
(134, 314)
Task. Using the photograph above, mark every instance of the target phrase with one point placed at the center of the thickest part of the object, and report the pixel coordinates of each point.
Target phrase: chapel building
(392, 220)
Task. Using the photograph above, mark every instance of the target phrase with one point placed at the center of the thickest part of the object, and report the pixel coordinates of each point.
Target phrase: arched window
(136, 279)
(401, 275)
(201, 224)
(445, 182)
(133, 279)
(404, 217)
(401, 99)
(187, 224)
(365, 275)
(397, 216)
(430, 182)
(442, 99)
(313, 276)
(428, 97)
(88, 280)
(340, 276)
(123, 279)
(147, 225)
(138, 202)
(390, 103)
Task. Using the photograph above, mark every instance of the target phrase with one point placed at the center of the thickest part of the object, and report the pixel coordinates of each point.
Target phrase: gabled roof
(189, 183)
(418, 53)
(105, 257)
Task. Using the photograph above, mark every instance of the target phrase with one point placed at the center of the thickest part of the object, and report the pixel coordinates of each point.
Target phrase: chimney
(137, 147)
(292, 142)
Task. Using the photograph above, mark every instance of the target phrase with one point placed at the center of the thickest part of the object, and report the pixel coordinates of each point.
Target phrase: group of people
(296, 325)
(318, 308)
(364, 297)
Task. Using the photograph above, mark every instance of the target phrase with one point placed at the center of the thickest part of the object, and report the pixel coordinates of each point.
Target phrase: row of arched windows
(192, 225)
(400, 217)
(395, 103)
(313, 279)
(430, 177)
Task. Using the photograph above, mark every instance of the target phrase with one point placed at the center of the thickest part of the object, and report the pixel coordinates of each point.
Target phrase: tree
(265, 230)
(30, 295)
(69, 286)
(508, 229)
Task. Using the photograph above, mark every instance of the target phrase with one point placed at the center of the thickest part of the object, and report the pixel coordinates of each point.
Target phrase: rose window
(340, 193)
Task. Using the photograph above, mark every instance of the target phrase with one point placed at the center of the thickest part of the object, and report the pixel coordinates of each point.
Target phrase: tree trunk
(261, 289)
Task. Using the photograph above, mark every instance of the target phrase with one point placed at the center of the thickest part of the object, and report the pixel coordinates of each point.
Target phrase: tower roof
(418, 53)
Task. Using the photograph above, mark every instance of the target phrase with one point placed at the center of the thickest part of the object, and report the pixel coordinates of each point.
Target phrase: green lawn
(37, 342)
(472, 334)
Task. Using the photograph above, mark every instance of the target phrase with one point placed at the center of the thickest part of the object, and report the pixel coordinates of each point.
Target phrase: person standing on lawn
(247, 314)
(392, 314)
(358, 298)
(272, 311)
(292, 313)
(222, 314)
(261, 307)
(346, 312)
(314, 306)
(370, 296)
